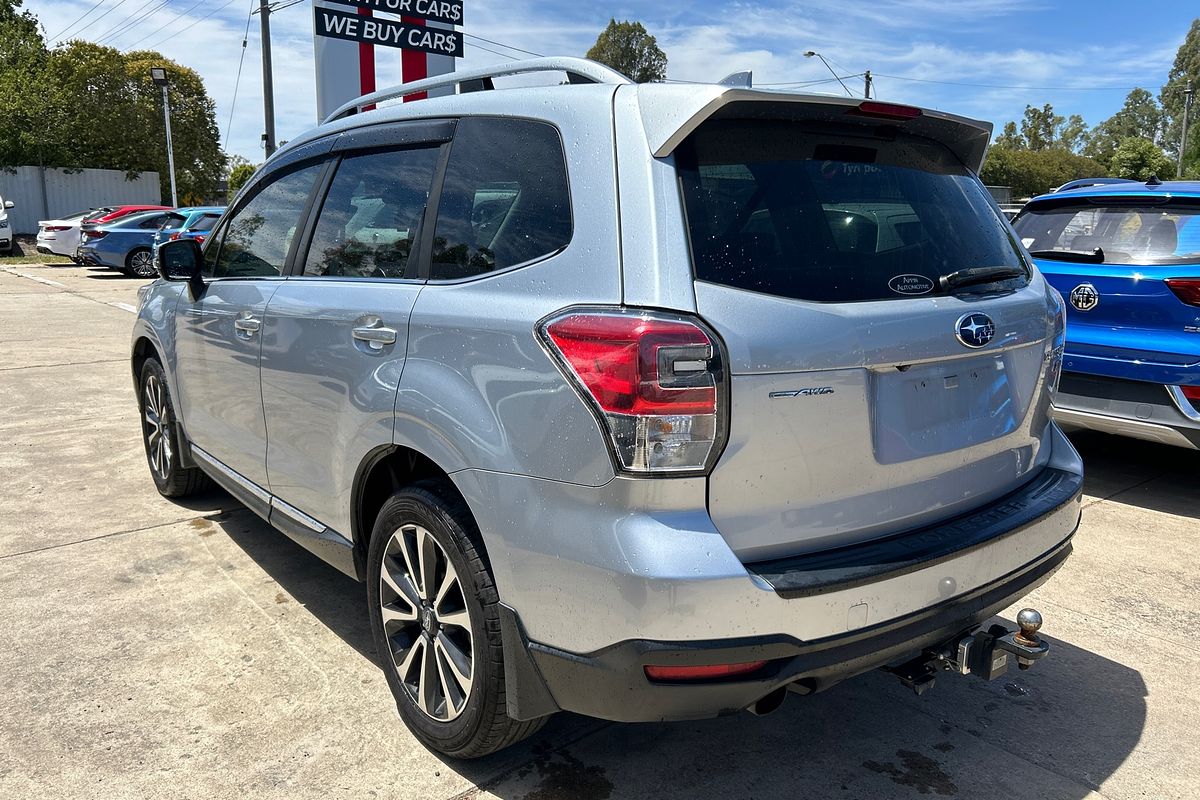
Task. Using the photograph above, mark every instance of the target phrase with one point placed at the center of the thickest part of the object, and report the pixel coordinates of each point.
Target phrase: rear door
(337, 332)
(1124, 320)
(866, 399)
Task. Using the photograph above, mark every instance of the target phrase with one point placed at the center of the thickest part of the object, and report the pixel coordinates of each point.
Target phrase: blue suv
(1126, 256)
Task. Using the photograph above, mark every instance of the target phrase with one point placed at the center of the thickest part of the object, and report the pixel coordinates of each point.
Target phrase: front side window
(505, 199)
(259, 234)
(371, 213)
(779, 208)
(1125, 231)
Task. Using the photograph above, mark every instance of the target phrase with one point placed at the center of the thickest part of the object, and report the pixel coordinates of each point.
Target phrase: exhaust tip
(769, 703)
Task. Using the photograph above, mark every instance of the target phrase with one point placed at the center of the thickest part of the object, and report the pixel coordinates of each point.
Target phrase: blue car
(125, 245)
(192, 223)
(1126, 257)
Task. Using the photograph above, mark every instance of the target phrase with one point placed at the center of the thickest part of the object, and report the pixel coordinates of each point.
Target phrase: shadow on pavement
(1078, 717)
(1155, 477)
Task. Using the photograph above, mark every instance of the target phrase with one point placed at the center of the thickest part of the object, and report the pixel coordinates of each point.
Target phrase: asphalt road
(157, 649)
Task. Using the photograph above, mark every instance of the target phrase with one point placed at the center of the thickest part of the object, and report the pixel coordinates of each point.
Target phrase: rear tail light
(95, 234)
(871, 108)
(173, 236)
(1191, 392)
(1056, 346)
(199, 238)
(57, 228)
(1186, 289)
(655, 381)
(707, 672)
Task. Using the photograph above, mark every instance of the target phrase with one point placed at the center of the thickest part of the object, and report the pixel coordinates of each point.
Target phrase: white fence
(48, 193)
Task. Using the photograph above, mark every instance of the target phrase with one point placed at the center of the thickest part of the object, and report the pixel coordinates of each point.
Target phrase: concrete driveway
(158, 649)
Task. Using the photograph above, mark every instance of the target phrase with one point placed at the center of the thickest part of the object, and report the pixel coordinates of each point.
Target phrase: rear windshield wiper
(977, 275)
(1094, 256)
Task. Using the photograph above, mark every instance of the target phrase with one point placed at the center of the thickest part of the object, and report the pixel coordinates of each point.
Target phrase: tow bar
(982, 654)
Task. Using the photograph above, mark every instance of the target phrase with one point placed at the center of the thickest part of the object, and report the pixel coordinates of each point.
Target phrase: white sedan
(61, 236)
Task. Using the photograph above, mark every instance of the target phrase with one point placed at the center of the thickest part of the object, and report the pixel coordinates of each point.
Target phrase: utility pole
(1187, 113)
(268, 138)
(159, 76)
(867, 84)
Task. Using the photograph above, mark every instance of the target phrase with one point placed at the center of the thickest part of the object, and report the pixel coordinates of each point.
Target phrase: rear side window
(799, 212)
(371, 214)
(205, 223)
(1126, 232)
(505, 199)
(259, 234)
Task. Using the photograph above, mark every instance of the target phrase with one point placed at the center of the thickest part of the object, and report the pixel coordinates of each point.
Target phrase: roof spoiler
(671, 118)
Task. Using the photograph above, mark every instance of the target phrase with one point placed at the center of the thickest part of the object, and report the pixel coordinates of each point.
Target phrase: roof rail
(579, 70)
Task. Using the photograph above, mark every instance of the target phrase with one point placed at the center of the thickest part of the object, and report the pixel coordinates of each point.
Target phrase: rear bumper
(612, 684)
(1137, 409)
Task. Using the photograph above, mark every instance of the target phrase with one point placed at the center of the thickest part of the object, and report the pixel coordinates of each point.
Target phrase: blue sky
(1081, 56)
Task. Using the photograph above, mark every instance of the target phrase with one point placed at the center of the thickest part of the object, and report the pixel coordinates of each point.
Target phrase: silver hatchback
(646, 402)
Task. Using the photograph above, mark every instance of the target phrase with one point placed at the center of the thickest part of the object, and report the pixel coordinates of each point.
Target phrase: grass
(25, 252)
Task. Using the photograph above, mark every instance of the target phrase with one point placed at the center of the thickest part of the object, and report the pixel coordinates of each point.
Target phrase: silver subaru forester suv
(646, 402)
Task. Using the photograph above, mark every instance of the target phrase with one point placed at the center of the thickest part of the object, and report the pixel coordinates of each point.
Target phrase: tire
(160, 436)
(140, 263)
(462, 619)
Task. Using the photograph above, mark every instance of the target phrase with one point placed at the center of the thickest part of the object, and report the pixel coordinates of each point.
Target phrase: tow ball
(984, 654)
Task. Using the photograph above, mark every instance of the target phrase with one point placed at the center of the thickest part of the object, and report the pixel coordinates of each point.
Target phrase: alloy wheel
(142, 263)
(426, 623)
(156, 425)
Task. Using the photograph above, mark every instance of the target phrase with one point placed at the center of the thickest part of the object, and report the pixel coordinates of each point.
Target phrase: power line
(178, 14)
(490, 50)
(191, 24)
(102, 16)
(502, 44)
(1025, 88)
(238, 81)
(130, 19)
(56, 37)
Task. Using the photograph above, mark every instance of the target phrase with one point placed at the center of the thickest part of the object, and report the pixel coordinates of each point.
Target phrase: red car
(111, 213)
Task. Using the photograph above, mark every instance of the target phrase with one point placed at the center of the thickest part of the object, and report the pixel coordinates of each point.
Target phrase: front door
(219, 333)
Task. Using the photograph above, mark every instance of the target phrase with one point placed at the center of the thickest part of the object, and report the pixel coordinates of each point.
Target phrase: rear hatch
(866, 398)
(1124, 319)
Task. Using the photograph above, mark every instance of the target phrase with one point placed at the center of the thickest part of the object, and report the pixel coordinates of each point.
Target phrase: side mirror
(180, 260)
(9, 204)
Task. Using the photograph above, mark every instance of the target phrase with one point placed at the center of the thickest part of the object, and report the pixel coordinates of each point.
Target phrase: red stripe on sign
(412, 63)
(366, 63)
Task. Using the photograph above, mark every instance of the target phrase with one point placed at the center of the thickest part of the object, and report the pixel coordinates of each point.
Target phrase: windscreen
(1126, 232)
(835, 215)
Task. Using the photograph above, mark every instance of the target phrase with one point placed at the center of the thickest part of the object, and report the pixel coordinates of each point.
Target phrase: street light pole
(812, 53)
(159, 76)
(1187, 113)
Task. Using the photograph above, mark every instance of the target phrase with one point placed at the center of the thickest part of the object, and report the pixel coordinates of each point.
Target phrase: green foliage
(1141, 116)
(240, 171)
(1185, 68)
(83, 105)
(1033, 172)
(1140, 158)
(629, 49)
(1039, 127)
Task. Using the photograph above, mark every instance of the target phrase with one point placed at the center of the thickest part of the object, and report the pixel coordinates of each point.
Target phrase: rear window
(1127, 232)
(796, 211)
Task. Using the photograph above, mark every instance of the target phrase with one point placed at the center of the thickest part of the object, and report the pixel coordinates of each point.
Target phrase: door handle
(375, 335)
(247, 324)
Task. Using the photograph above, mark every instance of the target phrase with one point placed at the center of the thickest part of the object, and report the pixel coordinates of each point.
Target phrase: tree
(1138, 159)
(629, 49)
(22, 53)
(1033, 172)
(1010, 138)
(240, 170)
(1186, 68)
(1039, 127)
(1141, 116)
